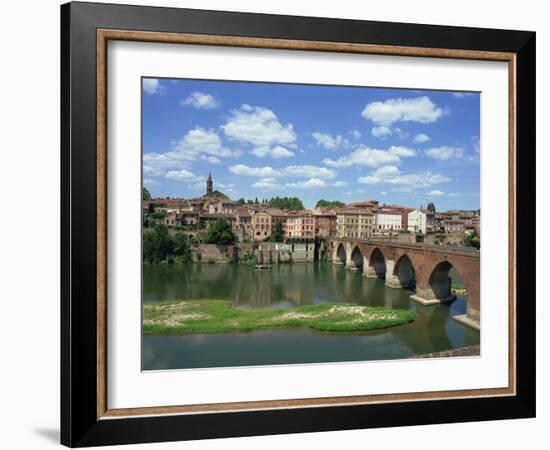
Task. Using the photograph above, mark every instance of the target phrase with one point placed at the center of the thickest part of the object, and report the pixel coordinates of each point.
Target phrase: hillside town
(255, 221)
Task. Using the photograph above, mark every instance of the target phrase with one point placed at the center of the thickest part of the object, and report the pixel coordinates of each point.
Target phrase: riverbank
(217, 316)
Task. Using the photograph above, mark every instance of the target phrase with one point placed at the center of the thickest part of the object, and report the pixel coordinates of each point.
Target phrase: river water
(285, 286)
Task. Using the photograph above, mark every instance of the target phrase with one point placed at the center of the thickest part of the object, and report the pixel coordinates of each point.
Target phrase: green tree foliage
(146, 194)
(219, 232)
(472, 240)
(241, 201)
(291, 203)
(182, 248)
(278, 233)
(160, 214)
(431, 207)
(329, 204)
(157, 244)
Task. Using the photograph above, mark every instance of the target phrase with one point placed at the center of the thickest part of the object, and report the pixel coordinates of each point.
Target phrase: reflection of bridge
(406, 265)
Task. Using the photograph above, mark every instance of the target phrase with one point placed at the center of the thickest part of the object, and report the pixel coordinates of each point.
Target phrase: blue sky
(398, 146)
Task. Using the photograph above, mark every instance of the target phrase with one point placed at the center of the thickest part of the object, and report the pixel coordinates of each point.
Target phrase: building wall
(417, 221)
(358, 226)
(387, 222)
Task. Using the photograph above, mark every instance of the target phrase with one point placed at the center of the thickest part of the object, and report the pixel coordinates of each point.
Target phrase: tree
(278, 233)
(472, 240)
(181, 247)
(431, 207)
(220, 232)
(146, 194)
(157, 244)
(290, 203)
(241, 201)
(329, 204)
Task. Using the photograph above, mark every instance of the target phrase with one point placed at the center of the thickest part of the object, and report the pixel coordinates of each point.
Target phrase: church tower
(209, 184)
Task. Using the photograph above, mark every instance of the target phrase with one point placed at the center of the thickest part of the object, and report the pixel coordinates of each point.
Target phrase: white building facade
(388, 221)
(417, 221)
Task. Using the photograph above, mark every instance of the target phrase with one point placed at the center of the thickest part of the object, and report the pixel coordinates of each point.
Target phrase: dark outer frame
(80, 425)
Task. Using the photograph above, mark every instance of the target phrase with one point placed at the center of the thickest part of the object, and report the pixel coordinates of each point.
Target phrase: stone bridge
(425, 267)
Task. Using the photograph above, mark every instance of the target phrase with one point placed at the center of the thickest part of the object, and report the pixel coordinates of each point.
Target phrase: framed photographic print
(277, 224)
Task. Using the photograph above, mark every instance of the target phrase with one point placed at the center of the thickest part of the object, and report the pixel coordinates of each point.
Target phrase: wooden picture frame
(86, 418)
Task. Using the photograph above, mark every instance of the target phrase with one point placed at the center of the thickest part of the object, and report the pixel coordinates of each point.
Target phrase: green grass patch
(217, 316)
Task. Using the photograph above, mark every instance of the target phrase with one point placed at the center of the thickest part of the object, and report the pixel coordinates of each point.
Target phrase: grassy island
(217, 316)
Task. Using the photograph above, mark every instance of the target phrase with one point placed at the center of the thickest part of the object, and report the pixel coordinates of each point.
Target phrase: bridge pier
(427, 297)
(368, 270)
(391, 280)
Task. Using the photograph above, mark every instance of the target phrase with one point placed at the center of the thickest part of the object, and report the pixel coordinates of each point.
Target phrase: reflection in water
(288, 285)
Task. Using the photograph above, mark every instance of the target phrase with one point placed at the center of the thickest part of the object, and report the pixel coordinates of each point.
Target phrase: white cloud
(261, 128)
(153, 86)
(305, 172)
(411, 180)
(281, 152)
(404, 152)
(364, 156)
(436, 193)
(309, 172)
(276, 152)
(452, 194)
(475, 143)
(340, 184)
(267, 184)
(356, 134)
(421, 138)
(149, 182)
(329, 142)
(182, 175)
(444, 153)
(420, 109)
(462, 94)
(383, 193)
(197, 144)
(151, 171)
(201, 100)
(262, 172)
(381, 131)
(308, 184)
(211, 159)
(386, 170)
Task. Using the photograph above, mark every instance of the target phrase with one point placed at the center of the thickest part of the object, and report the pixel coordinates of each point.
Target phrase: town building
(242, 226)
(388, 219)
(421, 220)
(325, 223)
(354, 222)
(300, 225)
(264, 220)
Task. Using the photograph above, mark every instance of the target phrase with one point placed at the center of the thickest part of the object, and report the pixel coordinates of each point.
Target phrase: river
(285, 286)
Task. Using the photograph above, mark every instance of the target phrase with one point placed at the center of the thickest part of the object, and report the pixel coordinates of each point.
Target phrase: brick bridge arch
(415, 265)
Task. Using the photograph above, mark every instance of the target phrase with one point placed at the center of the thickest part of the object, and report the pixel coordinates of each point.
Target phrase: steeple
(209, 184)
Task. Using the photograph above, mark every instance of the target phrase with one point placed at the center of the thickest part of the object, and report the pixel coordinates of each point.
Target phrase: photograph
(300, 223)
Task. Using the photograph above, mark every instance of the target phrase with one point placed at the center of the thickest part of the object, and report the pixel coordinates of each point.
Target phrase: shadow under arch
(440, 282)
(378, 262)
(356, 259)
(341, 253)
(404, 272)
